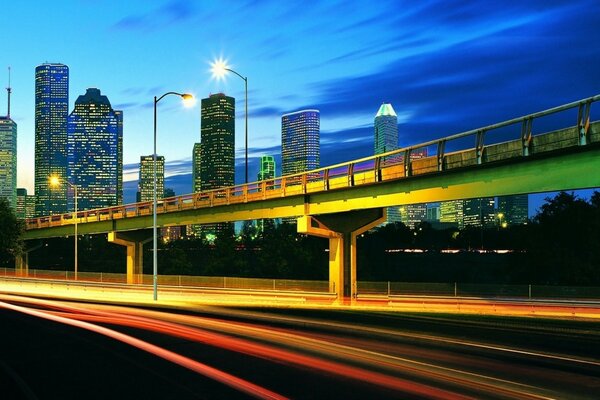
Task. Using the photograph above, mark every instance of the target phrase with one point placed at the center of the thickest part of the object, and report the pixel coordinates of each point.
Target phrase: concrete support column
(134, 241)
(22, 260)
(342, 229)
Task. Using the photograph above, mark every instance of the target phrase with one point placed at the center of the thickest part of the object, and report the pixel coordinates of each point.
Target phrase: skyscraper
(217, 135)
(51, 110)
(25, 204)
(267, 168)
(217, 151)
(514, 209)
(386, 139)
(196, 168)
(8, 160)
(266, 171)
(479, 212)
(146, 178)
(300, 149)
(94, 151)
(119, 115)
(451, 212)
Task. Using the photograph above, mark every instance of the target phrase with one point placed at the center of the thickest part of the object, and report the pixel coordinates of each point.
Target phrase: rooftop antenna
(9, 90)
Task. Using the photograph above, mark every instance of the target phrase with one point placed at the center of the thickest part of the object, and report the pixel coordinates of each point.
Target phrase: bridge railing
(474, 148)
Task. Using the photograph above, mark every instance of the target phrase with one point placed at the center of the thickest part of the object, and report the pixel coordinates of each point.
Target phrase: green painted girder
(570, 169)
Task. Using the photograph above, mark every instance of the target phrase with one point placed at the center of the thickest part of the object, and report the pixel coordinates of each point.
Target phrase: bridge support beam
(22, 260)
(342, 229)
(134, 241)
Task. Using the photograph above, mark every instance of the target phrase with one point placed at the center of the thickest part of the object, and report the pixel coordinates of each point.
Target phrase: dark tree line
(560, 245)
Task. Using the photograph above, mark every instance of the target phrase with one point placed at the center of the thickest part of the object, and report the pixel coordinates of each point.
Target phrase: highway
(70, 350)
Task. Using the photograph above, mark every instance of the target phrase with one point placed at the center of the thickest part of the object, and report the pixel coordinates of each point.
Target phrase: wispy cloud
(170, 13)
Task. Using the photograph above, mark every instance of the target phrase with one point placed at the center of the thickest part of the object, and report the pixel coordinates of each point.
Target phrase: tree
(11, 234)
(563, 241)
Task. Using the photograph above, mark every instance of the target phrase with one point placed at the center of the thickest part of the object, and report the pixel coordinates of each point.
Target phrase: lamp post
(55, 181)
(219, 69)
(184, 96)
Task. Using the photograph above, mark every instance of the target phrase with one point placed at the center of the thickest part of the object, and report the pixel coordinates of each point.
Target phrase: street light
(219, 68)
(55, 182)
(188, 101)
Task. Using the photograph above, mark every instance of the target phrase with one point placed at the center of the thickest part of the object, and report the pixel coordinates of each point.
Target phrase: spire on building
(386, 109)
(9, 90)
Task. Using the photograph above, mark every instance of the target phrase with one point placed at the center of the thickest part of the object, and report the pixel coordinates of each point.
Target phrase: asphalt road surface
(69, 350)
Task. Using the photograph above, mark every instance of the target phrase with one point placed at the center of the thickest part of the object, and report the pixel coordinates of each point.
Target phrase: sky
(445, 66)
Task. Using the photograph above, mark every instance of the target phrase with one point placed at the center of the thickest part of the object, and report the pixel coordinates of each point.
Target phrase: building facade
(217, 154)
(217, 137)
(51, 111)
(8, 160)
(25, 204)
(266, 168)
(479, 212)
(146, 178)
(385, 140)
(513, 210)
(300, 137)
(94, 152)
(451, 213)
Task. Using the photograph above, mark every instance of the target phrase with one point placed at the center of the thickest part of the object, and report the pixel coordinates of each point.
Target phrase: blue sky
(446, 66)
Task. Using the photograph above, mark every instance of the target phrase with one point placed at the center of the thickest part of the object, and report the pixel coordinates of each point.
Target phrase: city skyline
(461, 75)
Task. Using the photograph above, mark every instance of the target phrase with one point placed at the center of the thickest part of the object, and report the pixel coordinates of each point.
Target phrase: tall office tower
(386, 139)
(146, 178)
(514, 209)
(196, 168)
(25, 204)
(8, 154)
(433, 212)
(266, 171)
(51, 111)
(217, 135)
(8, 160)
(217, 151)
(451, 212)
(479, 212)
(119, 115)
(195, 230)
(267, 168)
(300, 149)
(93, 159)
(412, 214)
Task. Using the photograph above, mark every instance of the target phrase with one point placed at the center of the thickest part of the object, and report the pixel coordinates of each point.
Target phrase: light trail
(212, 373)
(346, 357)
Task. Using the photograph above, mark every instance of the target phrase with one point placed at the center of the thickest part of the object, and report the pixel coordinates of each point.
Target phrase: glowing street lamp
(219, 69)
(55, 182)
(188, 101)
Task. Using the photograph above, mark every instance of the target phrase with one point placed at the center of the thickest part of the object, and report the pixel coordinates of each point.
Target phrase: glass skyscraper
(451, 212)
(146, 178)
(25, 204)
(216, 151)
(51, 110)
(386, 139)
(94, 157)
(479, 212)
(217, 135)
(8, 160)
(300, 149)
(267, 168)
(514, 209)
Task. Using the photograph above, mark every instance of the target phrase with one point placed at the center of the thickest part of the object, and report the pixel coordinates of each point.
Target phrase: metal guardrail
(397, 164)
(389, 289)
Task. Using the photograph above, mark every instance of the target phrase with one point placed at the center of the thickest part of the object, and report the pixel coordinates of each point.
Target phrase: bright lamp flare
(54, 180)
(188, 100)
(219, 68)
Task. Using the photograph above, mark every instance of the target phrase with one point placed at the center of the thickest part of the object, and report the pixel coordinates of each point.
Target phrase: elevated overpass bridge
(341, 201)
